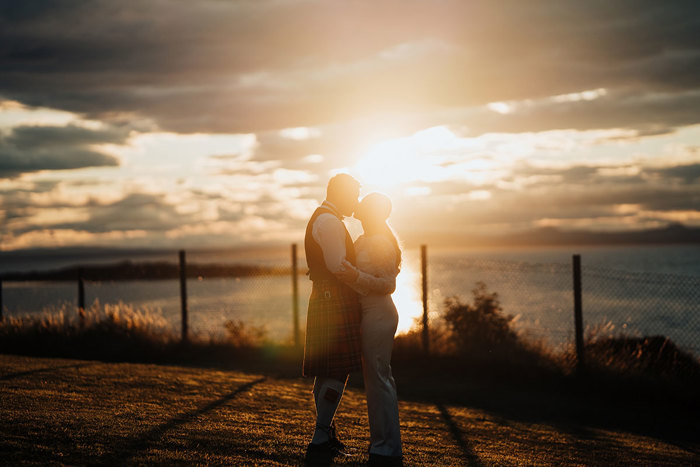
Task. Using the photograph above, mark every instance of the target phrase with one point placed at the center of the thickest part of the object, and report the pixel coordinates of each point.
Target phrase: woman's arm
(381, 253)
(365, 283)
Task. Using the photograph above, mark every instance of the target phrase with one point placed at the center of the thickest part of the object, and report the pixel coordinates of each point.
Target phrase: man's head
(343, 191)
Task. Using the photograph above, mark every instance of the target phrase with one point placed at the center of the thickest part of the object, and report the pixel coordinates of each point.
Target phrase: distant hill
(128, 270)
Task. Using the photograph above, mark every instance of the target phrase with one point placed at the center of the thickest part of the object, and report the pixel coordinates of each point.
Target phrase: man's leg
(327, 394)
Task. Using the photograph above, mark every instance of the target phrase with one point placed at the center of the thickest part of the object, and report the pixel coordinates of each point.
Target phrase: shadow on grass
(468, 455)
(40, 370)
(131, 448)
(577, 405)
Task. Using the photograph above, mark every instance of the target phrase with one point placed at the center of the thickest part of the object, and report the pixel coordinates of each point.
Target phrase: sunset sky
(218, 123)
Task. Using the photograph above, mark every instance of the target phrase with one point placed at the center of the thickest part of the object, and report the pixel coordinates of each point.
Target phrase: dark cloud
(648, 113)
(689, 173)
(136, 211)
(672, 176)
(33, 148)
(33, 137)
(251, 66)
(563, 195)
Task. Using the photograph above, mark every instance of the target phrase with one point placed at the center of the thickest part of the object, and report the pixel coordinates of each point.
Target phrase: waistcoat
(314, 254)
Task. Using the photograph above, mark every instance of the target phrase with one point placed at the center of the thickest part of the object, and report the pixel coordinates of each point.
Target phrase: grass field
(58, 411)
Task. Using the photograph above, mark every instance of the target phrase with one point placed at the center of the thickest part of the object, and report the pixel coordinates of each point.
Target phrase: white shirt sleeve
(329, 233)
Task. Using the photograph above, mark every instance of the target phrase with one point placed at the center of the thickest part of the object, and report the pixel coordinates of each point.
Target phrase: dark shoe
(380, 460)
(335, 442)
(319, 454)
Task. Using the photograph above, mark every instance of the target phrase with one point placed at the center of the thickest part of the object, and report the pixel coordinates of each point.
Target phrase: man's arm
(365, 283)
(329, 232)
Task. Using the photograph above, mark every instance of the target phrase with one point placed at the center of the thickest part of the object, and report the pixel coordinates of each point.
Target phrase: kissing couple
(352, 319)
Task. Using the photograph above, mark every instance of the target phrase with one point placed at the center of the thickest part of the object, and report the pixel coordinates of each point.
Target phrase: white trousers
(379, 321)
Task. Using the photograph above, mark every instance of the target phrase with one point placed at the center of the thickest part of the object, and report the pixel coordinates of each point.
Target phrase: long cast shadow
(130, 448)
(40, 370)
(470, 458)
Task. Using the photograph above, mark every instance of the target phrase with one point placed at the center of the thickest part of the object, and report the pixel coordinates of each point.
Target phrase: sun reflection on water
(407, 297)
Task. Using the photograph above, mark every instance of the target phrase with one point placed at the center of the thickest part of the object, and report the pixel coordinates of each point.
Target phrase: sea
(636, 290)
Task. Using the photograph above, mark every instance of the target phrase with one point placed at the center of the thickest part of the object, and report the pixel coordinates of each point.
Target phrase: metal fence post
(183, 294)
(81, 295)
(295, 296)
(578, 313)
(424, 287)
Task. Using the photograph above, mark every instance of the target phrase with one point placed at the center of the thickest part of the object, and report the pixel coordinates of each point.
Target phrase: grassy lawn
(58, 411)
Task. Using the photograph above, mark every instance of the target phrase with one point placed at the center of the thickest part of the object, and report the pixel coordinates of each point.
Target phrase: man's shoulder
(326, 215)
(327, 219)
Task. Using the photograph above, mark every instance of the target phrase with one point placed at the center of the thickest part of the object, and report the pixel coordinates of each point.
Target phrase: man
(333, 348)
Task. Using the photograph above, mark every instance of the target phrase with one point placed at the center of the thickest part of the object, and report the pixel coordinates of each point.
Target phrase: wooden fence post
(183, 294)
(578, 313)
(424, 287)
(295, 296)
(81, 295)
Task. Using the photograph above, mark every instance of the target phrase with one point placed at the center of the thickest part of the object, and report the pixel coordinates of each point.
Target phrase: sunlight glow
(407, 298)
(429, 156)
(581, 96)
(500, 107)
(403, 160)
(300, 133)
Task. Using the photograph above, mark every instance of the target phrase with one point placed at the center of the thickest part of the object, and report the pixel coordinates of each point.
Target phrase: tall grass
(475, 334)
(122, 332)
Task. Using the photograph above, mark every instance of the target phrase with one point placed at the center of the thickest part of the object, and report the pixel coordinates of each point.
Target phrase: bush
(649, 356)
(480, 326)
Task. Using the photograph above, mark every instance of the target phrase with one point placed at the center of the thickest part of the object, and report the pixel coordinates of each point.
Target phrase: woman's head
(373, 209)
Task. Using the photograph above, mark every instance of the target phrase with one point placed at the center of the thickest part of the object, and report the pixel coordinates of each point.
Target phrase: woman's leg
(378, 328)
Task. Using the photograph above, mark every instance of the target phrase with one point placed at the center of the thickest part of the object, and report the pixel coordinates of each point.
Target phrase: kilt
(333, 345)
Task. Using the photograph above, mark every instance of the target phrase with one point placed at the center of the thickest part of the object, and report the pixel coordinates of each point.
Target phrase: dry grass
(84, 412)
(487, 407)
(122, 332)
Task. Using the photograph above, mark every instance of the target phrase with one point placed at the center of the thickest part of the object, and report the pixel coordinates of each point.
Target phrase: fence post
(81, 295)
(424, 287)
(295, 296)
(1, 318)
(183, 294)
(578, 313)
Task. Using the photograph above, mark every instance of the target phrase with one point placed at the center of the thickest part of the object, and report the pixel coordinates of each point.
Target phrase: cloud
(243, 67)
(33, 148)
(688, 174)
(136, 211)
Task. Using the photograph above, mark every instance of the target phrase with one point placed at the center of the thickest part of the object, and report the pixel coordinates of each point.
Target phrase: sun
(393, 163)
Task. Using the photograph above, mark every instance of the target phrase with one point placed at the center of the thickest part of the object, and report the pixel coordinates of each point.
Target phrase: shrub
(480, 326)
(649, 356)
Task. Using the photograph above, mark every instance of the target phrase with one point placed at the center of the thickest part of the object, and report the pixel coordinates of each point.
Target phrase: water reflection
(407, 296)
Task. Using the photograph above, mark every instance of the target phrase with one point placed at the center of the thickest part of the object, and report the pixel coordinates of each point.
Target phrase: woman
(378, 253)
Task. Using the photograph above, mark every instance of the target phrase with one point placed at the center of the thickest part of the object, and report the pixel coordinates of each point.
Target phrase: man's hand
(347, 273)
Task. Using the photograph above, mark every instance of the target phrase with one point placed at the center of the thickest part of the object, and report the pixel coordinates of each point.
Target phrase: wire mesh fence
(645, 304)
(538, 294)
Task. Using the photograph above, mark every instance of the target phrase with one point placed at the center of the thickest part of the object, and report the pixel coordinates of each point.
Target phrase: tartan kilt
(332, 330)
